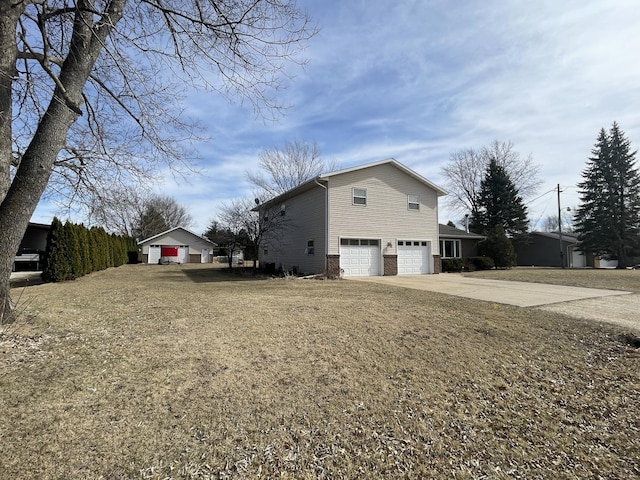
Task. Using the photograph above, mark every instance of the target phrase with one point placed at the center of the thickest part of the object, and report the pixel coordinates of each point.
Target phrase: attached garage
(359, 257)
(414, 257)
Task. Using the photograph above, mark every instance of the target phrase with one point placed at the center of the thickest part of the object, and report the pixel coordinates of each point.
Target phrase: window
(359, 196)
(266, 251)
(357, 241)
(283, 210)
(413, 202)
(310, 248)
(450, 249)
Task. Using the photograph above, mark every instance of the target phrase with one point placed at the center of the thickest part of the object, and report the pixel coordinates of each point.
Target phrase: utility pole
(560, 230)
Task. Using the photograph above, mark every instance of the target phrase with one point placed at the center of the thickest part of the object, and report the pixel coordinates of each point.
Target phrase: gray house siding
(541, 251)
(303, 222)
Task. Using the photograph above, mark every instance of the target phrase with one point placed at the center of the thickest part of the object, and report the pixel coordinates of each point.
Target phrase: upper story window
(413, 202)
(359, 196)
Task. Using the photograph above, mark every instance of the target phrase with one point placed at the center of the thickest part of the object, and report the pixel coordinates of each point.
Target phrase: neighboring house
(177, 245)
(456, 243)
(375, 219)
(32, 248)
(542, 249)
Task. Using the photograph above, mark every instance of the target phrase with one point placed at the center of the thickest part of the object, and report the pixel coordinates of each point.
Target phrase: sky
(420, 80)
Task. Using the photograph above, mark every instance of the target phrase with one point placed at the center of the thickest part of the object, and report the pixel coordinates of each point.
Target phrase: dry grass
(627, 280)
(180, 372)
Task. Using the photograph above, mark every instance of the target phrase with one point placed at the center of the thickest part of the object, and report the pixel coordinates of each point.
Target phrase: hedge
(74, 251)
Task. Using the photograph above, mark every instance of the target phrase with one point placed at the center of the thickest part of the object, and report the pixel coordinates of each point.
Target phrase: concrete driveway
(609, 306)
(499, 291)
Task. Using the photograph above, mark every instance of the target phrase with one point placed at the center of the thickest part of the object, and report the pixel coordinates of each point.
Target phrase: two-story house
(375, 219)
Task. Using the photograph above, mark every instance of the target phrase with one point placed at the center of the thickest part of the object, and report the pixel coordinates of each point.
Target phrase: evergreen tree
(499, 204)
(56, 266)
(73, 251)
(498, 248)
(83, 235)
(608, 218)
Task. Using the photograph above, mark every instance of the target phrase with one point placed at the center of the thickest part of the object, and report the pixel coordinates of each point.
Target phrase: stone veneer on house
(390, 265)
(437, 264)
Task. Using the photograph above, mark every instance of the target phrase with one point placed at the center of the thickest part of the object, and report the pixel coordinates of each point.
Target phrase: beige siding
(386, 215)
(304, 220)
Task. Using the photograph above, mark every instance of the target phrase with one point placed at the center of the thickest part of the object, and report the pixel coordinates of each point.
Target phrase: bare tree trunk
(9, 14)
(36, 165)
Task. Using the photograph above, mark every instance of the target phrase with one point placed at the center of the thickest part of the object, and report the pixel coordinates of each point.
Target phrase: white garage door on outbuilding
(168, 253)
(414, 257)
(359, 257)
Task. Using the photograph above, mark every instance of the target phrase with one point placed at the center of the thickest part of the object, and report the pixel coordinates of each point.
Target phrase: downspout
(326, 225)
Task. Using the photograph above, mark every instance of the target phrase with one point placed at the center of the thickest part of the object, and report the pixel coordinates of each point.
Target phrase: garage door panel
(414, 257)
(360, 260)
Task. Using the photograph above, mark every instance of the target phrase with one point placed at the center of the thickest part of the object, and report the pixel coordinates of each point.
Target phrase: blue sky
(418, 80)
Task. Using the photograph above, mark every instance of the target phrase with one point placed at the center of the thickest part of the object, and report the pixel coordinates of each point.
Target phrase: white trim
(415, 202)
(395, 163)
(146, 240)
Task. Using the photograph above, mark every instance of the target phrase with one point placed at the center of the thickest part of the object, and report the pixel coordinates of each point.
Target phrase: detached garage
(177, 245)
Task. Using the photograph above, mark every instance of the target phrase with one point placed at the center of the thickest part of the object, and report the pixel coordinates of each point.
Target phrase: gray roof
(147, 240)
(447, 231)
(569, 237)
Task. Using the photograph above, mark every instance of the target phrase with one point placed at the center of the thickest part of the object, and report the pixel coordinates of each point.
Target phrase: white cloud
(417, 80)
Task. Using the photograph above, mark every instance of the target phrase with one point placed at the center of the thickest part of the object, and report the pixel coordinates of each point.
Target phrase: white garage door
(359, 257)
(578, 260)
(414, 257)
(154, 254)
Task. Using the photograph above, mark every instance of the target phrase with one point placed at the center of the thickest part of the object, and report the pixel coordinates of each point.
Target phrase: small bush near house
(452, 264)
(479, 263)
(499, 248)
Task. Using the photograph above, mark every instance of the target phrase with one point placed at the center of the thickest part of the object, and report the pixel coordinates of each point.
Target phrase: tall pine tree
(608, 219)
(499, 204)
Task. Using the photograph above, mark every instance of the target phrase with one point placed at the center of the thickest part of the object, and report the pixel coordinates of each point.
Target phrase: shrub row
(74, 250)
(470, 264)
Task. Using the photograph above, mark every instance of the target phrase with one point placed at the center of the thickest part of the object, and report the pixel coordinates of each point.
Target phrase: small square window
(413, 202)
(359, 196)
(344, 241)
(400, 243)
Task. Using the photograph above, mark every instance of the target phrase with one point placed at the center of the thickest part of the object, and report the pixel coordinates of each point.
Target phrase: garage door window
(359, 241)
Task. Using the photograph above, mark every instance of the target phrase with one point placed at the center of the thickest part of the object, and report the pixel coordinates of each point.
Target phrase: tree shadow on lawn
(214, 275)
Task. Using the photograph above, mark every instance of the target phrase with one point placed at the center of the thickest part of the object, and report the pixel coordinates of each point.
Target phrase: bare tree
(157, 214)
(88, 90)
(466, 168)
(252, 222)
(282, 169)
(551, 222)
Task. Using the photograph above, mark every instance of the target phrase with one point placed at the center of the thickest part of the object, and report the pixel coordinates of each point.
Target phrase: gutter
(326, 224)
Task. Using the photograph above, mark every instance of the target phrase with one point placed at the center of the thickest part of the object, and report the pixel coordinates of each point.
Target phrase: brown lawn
(628, 280)
(183, 372)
